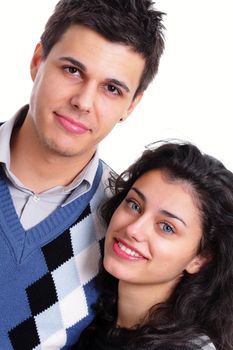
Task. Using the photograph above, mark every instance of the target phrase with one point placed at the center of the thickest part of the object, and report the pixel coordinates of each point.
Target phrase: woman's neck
(135, 301)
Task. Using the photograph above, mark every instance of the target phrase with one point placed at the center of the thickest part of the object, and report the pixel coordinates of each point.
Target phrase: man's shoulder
(106, 166)
(108, 172)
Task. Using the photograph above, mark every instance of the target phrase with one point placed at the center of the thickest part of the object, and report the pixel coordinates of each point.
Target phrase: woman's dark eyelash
(134, 205)
(131, 201)
(168, 225)
(128, 200)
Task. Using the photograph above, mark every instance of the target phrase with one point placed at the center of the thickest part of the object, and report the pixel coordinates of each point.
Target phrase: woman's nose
(138, 230)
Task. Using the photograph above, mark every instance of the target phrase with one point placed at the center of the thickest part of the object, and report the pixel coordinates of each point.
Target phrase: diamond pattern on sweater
(72, 279)
(79, 244)
(58, 251)
(19, 336)
(53, 342)
(44, 320)
(42, 294)
(86, 263)
(57, 301)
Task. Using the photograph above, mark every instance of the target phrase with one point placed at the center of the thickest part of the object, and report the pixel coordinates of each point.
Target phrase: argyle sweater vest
(47, 273)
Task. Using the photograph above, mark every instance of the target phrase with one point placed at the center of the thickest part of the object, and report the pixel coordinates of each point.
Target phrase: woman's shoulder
(203, 343)
(199, 343)
(123, 339)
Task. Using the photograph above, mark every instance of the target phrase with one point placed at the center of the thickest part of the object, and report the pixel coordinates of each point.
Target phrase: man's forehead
(99, 55)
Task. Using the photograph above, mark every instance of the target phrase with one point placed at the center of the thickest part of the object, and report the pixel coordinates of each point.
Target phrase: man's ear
(35, 61)
(133, 104)
(198, 262)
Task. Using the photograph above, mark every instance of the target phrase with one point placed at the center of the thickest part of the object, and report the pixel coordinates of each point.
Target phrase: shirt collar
(5, 136)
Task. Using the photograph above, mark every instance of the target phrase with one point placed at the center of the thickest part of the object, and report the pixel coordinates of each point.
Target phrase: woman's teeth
(127, 250)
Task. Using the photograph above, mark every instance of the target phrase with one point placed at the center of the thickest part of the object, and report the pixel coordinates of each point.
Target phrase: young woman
(167, 281)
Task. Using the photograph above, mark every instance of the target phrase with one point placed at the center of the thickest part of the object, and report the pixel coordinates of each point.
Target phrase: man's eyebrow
(118, 83)
(83, 68)
(171, 215)
(73, 61)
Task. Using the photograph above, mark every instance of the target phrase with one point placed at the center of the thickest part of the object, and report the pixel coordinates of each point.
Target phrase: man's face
(81, 90)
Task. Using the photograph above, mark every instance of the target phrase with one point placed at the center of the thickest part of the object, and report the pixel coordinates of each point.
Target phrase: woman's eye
(133, 205)
(166, 228)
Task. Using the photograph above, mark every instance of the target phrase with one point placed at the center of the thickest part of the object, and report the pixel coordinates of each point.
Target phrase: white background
(191, 97)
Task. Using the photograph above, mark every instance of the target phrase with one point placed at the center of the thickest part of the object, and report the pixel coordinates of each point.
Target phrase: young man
(90, 69)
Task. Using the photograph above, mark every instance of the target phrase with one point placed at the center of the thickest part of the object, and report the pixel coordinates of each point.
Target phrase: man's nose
(84, 98)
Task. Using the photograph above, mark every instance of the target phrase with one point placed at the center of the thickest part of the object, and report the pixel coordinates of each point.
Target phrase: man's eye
(72, 70)
(166, 228)
(113, 90)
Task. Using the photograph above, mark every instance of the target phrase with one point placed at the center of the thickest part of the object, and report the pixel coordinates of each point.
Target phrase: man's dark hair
(134, 23)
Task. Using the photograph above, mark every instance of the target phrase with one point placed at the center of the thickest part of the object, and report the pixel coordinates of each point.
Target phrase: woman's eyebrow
(162, 211)
(139, 193)
(171, 215)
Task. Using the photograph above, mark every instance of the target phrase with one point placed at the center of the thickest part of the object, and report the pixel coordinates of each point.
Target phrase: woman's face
(154, 234)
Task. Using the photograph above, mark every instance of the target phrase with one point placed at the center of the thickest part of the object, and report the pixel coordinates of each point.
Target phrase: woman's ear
(198, 262)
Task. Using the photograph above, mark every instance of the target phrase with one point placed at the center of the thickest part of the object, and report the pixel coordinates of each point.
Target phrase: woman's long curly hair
(201, 303)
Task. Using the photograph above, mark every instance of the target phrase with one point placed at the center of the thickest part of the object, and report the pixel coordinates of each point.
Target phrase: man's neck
(37, 168)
